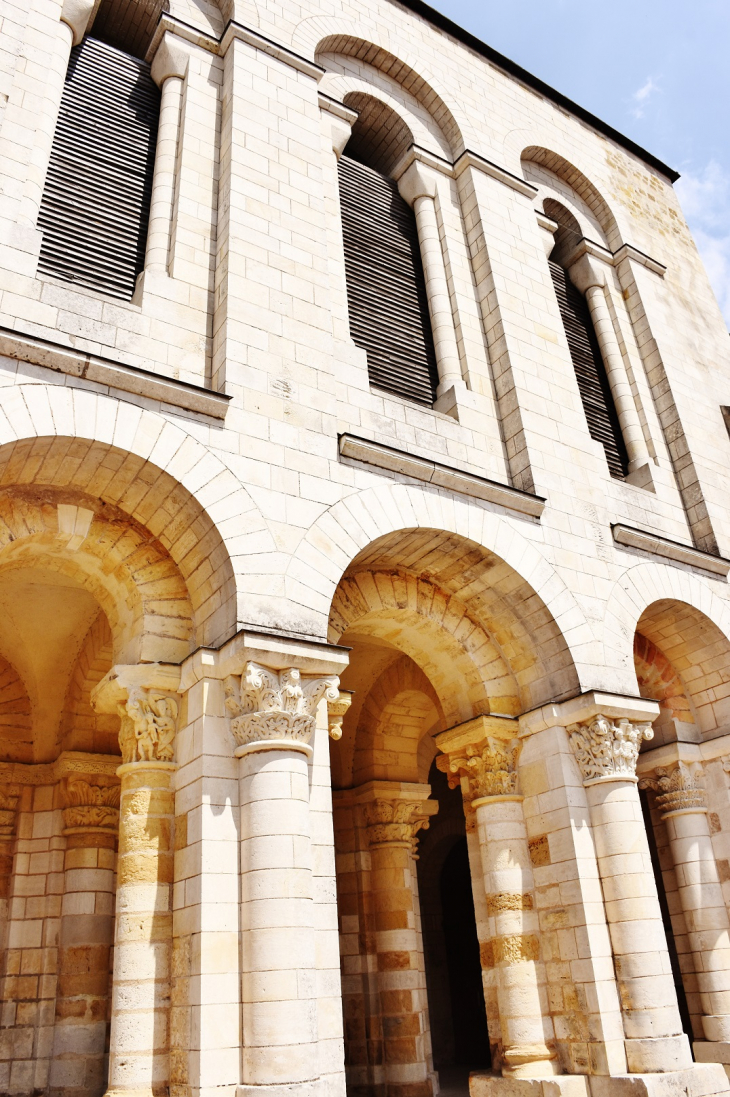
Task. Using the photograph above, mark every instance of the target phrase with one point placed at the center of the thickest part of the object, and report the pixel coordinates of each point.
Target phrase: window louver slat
(595, 391)
(95, 210)
(386, 291)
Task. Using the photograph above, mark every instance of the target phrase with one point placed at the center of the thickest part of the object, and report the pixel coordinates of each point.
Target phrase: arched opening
(439, 631)
(457, 1011)
(386, 287)
(585, 352)
(682, 660)
(83, 586)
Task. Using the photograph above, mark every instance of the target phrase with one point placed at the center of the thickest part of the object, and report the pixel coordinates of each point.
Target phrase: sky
(658, 71)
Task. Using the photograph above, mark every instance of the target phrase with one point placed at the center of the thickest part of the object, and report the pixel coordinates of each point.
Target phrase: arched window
(590, 371)
(95, 209)
(386, 289)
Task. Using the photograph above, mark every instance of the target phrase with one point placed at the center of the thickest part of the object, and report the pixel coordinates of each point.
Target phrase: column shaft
(85, 941)
(509, 886)
(278, 956)
(623, 397)
(139, 1051)
(163, 180)
(437, 290)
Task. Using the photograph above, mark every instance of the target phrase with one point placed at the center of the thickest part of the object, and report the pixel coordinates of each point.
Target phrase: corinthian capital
(397, 822)
(490, 768)
(268, 705)
(606, 750)
(149, 722)
(679, 788)
(90, 803)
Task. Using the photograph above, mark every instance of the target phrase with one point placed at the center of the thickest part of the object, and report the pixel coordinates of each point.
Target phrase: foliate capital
(90, 803)
(678, 788)
(608, 750)
(490, 768)
(9, 799)
(149, 723)
(397, 822)
(276, 706)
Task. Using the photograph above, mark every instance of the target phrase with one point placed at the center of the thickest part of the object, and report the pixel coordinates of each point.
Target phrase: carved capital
(9, 799)
(606, 750)
(678, 788)
(90, 803)
(149, 722)
(490, 768)
(397, 822)
(336, 710)
(269, 706)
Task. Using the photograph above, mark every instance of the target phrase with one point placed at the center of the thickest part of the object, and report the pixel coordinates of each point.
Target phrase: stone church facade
(364, 542)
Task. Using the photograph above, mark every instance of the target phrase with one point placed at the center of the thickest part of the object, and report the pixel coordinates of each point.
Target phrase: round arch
(687, 621)
(153, 470)
(501, 554)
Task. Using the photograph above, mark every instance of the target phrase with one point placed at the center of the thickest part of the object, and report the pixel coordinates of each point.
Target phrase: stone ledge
(431, 472)
(117, 375)
(671, 550)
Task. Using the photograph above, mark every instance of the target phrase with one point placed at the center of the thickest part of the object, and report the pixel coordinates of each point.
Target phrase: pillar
(417, 186)
(587, 274)
(606, 744)
(91, 818)
(168, 70)
(273, 720)
(484, 753)
(393, 813)
(682, 803)
(145, 698)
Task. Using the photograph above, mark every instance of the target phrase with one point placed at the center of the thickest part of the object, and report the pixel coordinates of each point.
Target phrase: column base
(706, 1051)
(658, 1054)
(700, 1080)
(281, 1089)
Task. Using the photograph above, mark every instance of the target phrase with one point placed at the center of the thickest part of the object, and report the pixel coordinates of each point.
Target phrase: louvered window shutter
(386, 290)
(96, 202)
(595, 391)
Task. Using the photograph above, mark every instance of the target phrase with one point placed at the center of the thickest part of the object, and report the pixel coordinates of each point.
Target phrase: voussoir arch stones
(351, 525)
(152, 469)
(640, 587)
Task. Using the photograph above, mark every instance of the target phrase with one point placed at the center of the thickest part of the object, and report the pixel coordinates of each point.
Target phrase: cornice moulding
(670, 550)
(114, 375)
(339, 110)
(50, 773)
(182, 30)
(423, 156)
(469, 159)
(431, 472)
(628, 251)
(238, 32)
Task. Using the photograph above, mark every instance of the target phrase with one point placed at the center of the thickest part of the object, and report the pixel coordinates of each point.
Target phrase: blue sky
(656, 70)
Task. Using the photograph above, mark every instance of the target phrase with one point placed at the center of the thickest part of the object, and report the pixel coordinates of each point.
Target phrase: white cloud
(641, 95)
(705, 198)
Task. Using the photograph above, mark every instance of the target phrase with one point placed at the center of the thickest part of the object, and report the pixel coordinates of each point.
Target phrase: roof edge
(445, 24)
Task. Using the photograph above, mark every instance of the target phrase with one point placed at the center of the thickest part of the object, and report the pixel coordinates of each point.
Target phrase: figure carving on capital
(89, 804)
(490, 768)
(678, 789)
(149, 721)
(276, 705)
(604, 749)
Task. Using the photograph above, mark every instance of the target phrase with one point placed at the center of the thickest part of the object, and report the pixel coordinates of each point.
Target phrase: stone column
(394, 812)
(606, 747)
(9, 799)
(145, 698)
(588, 275)
(417, 185)
(273, 719)
(91, 818)
(682, 803)
(484, 754)
(168, 70)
